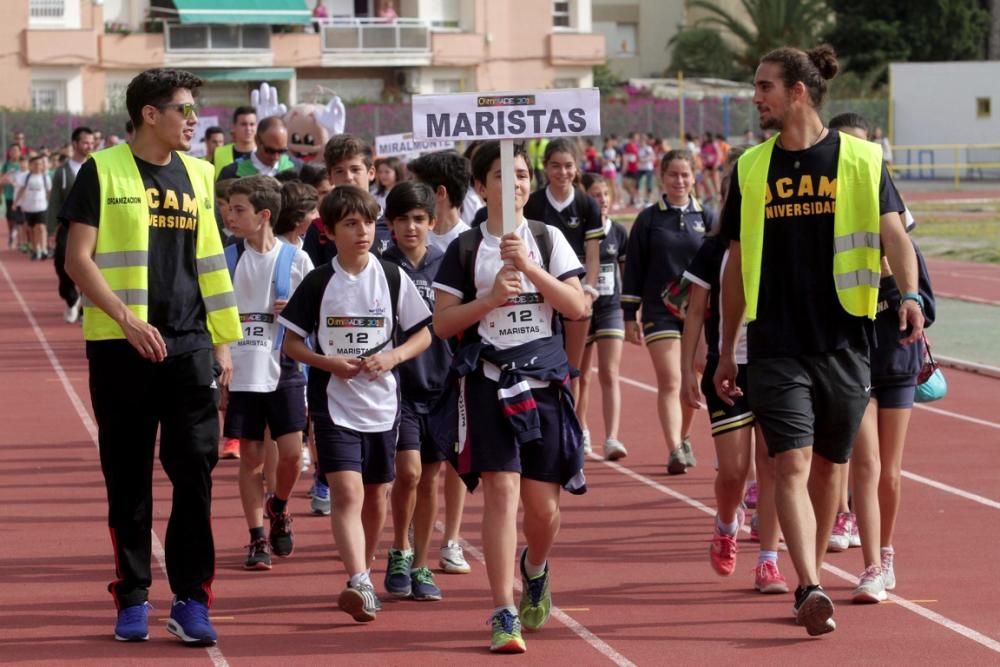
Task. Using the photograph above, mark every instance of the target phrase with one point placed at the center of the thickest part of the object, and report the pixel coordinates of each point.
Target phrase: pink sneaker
(840, 538)
(230, 449)
(754, 532)
(767, 579)
(855, 535)
(723, 554)
(750, 497)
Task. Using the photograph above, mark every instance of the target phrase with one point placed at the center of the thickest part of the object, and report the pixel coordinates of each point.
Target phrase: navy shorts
(14, 215)
(414, 434)
(490, 436)
(249, 413)
(723, 417)
(340, 449)
(607, 321)
(894, 396)
(659, 324)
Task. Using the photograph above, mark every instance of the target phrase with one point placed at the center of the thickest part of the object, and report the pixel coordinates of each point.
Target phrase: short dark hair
(267, 123)
(129, 127)
(488, 153)
(297, 200)
(222, 188)
(156, 87)
(83, 129)
(589, 179)
(851, 120)
(813, 68)
(215, 129)
(345, 147)
(312, 174)
(407, 196)
(345, 200)
(287, 176)
(263, 192)
(446, 168)
(243, 111)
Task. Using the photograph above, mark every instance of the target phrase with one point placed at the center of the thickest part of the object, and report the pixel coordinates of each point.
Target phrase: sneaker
(536, 599)
(267, 505)
(854, 537)
(614, 450)
(506, 633)
(360, 602)
(280, 536)
(453, 559)
(258, 555)
(871, 587)
(307, 460)
(397, 574)
(688, 452)
(676, 465)
(754, 532)
(888, 570)
(767, 578)
(189, 621)
(133, 623)
(751, 496)
(722, 551)
(423, 586)
(814, 610)
(840, 538)
(72, 313)
(320, 504)
(230, 449)
(587, 448)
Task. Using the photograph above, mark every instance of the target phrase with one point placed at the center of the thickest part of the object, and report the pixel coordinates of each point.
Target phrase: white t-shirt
(36, 191)
(442, 241)
(256, 361)
(472, 203)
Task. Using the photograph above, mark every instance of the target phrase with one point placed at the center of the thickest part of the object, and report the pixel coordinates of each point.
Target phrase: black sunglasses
(186, 109)
(274, 151)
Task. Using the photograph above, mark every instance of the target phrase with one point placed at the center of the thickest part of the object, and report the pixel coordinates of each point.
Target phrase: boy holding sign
(516, 428)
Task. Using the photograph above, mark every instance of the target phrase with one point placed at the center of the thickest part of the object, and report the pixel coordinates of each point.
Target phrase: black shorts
(414, 434)
(607, 321)
(813, 400)
(14, 215)
(723, 417)
(659, 324)
(894, 396)
(340, 449)
(34, 218)
(249, 413)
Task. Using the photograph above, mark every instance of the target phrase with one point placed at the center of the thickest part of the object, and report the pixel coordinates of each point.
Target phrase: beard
(771, 123)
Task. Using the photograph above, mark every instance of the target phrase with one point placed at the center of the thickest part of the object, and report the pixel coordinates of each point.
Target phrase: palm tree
(772, 23)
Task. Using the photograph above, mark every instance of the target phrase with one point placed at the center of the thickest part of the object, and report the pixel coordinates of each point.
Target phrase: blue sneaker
(320, 499)
(397, 573)
(189, 622)
(423, 586)
(133, 623)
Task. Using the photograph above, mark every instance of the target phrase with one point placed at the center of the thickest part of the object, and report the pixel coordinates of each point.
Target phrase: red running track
(965, 280)
(630, 570)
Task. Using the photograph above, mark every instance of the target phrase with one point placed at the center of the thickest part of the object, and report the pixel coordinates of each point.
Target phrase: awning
(246, 74)
(261, 12)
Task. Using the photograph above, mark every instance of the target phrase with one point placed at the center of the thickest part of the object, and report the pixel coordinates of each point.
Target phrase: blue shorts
(490, 436)
(607, 321)
(659, 324)
(894, 396)
(414, 434)
(340, 449)
(723, 417)
(249, 413)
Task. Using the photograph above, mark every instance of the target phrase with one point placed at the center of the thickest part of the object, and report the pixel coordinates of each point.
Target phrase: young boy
(354, 305)
(520, 435)
(266, 390)
(410, 211)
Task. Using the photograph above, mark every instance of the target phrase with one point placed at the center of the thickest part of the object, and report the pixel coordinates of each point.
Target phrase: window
(983, 107)
(47, 9)
(447, 86)
(48, 95)
(619, 38)
(565, 83)
(218, 37)
(560, 14)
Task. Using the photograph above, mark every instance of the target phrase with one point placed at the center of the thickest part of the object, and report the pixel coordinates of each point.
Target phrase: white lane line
(940, 486)
(931, 616)
(966, 297)
(218, 660)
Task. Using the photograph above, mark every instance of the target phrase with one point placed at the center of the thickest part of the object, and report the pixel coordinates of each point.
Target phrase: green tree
(773, 23)
(701, 52)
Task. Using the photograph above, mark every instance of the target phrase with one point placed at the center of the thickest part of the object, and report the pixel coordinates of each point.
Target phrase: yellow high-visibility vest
(856, 257)
(223, 157)
(122, 252)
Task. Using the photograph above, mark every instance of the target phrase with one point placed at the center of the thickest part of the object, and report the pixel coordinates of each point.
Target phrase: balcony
(373, 42)
(569, 49)
(60, 47)
(217, 45)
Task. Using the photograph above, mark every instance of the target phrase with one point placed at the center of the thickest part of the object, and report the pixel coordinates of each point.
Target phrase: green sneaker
(423, 586)
(536, 600)
(506, 633)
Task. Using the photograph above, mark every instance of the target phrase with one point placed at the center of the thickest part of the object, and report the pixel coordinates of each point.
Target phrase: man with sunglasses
(159, 314)
(271, 155)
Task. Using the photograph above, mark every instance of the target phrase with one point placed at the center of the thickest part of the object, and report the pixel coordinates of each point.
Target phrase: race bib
(606, 280)
(524, 318)
(258, 330)
(354, 336)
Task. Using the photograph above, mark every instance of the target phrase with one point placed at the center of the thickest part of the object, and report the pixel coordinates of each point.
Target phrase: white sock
(509, 607)
(771, 556)
(727, 528)
(360, 578)
(533, 570)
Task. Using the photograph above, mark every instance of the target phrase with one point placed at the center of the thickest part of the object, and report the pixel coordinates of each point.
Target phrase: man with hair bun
(812, 210)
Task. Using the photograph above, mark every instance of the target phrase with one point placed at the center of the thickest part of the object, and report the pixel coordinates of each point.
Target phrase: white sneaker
(453, 559)
(614, 450)
(587, 449)
(871, 587)
(72, 313)
(888, 569)
(306, 459)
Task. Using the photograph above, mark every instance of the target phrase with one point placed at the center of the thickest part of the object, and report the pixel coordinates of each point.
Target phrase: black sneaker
(280, 537)
(814, 610)
(677, 464)
(258, 556)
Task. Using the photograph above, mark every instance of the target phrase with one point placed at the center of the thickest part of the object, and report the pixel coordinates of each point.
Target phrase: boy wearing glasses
(159, 314)
(269, 158)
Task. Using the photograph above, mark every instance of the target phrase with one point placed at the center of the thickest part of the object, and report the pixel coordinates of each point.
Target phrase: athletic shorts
(723, 417)
(490, 436)
(249, 413)
(34, 218)
(894, 396)
(340, 449)
(414, 434)
(14, 215)
(814, 400)
(607, 321)
(659, 324)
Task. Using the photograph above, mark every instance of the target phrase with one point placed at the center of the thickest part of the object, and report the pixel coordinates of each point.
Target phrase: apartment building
(79, 55)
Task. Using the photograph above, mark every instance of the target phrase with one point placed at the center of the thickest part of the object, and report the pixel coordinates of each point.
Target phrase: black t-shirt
(176, 308)
(579, 222)
(798, 311)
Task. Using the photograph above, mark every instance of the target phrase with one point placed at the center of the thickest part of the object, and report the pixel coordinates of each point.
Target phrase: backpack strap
(541, 233)
(468, 246)
(283, 282)
(392, 276)
(233, 252)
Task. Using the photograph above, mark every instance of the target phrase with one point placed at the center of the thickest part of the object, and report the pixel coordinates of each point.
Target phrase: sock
(278, 505)
(403, 552)
(888, 550)
(360, 578)
(727, 528)
(533, 571)
(509, 607)
(771, 556)
(257, 533)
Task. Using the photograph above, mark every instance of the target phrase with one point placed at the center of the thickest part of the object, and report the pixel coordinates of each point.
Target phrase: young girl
(388, 172)
(607, 327)
(493, 288)
(662, 242)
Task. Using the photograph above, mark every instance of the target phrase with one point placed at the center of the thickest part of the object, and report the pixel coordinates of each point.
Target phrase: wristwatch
(913, 296)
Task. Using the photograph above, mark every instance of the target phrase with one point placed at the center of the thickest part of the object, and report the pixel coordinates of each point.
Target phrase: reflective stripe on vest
(856, 259)
(122, 249)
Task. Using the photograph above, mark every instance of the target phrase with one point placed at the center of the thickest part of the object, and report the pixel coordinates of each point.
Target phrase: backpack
(282, 274)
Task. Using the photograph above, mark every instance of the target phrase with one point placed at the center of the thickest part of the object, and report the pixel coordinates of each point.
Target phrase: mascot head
(309, 125)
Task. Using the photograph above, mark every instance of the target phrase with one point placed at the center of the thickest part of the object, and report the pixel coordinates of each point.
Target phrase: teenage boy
(244, 132)
(354, 306)
(505, 292)
(266, 390)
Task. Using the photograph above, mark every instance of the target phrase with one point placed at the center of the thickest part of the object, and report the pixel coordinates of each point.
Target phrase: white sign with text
(404, 145)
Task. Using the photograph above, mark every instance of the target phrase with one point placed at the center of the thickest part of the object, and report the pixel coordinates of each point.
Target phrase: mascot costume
(309, 125)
